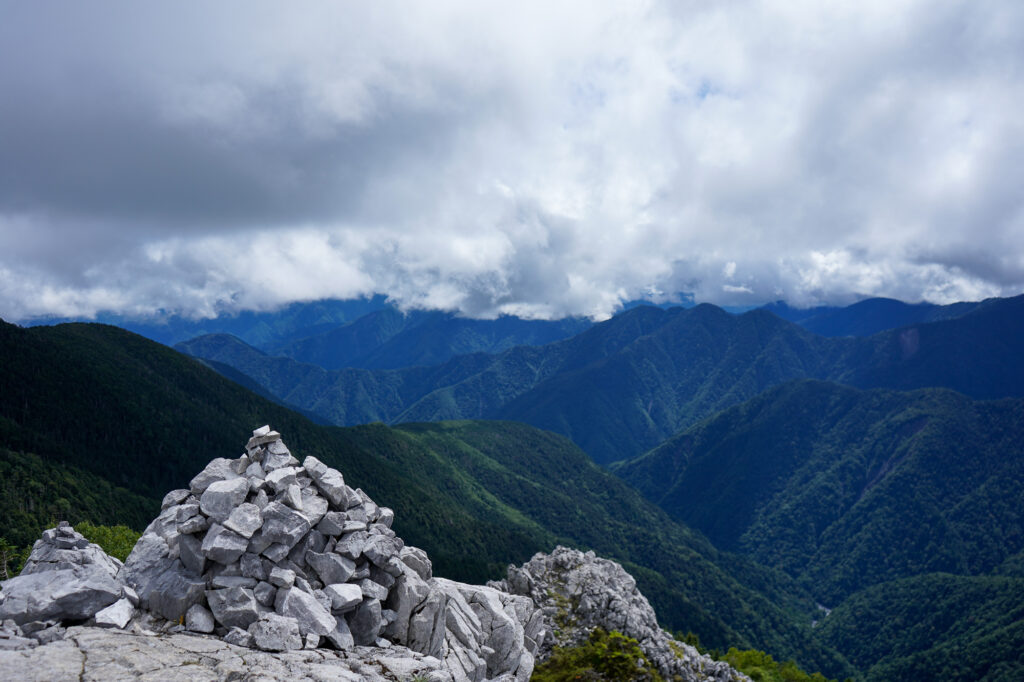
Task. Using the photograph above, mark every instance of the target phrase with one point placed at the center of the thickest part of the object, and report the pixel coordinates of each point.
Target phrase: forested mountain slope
(844, 488)
(902, 510)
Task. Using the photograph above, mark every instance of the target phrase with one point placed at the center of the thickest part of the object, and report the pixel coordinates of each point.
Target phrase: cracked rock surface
(578, 591)
(93, 654)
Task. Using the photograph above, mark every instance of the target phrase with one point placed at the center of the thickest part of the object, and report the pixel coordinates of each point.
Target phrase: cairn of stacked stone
(277, 555)
(578, 591)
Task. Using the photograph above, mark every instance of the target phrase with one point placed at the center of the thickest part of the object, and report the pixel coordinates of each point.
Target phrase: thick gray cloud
(532, 158)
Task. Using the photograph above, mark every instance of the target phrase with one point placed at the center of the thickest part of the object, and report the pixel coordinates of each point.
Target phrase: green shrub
(605, 656)
(117, 541)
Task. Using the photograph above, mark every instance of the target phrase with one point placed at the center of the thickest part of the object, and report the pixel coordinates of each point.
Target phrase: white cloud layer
(533, 158)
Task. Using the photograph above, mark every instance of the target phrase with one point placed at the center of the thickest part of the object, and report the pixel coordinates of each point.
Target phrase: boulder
(365, 622)
(416, 559)
(163, 584)
(198, 618)
(62, 594)
(304, 608)
(282, 525)
(344, 597)
(233, 606)
(332, 568)
(276, 633)
(245, 519)
(329, 481)
(221, 497)
(64, 578)
(219, 469)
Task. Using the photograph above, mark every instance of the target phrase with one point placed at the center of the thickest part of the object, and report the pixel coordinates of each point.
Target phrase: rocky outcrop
(266, 568)
(64, 578)
(576, 592)
(267, 553)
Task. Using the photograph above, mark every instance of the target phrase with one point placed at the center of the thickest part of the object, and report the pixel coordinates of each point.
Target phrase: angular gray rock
(64, 578)
(245, 519)
(219, 469)
(190, 552)
(64, 594)
(282, 577)
(283, 525)
(304, 608)
(601, 594)
(365, 622)
(222, 545)
(344, 598)
(239, 637)
(117, 615)
(233, 606)
(199, 619)
(276, 633)
(416, 559)
(163, 584)
(221, 497)
(329, 481)
(332, 568)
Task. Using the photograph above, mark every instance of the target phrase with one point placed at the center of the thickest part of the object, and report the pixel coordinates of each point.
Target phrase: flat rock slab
(96, 655)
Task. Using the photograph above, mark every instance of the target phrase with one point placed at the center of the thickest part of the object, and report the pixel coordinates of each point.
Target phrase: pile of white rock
(277, 554)
(272, 554)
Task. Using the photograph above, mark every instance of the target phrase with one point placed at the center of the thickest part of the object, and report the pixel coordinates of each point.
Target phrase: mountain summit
(262, 552)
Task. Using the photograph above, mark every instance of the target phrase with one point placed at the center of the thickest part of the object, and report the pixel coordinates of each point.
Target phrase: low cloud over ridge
(530, 158)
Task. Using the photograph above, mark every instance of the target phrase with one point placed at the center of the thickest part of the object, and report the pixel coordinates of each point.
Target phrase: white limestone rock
(332, 568)
(219, 469)
(604, 595)
(276, 633)
(233, 606)
(329, 481)
(163, 584)
(64, 578)
(344, 598)
(222, 545)
(416, 559)
(117, 615)
(221, 498)
(198, 618)
(283, 525)
(245, 519)
(304, 608)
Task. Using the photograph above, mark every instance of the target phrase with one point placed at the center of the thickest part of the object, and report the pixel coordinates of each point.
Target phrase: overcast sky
(542, 159)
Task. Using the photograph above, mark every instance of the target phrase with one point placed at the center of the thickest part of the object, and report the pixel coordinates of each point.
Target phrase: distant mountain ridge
(390, 339)
(624, 385)
(261, 329)
(867, 317)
